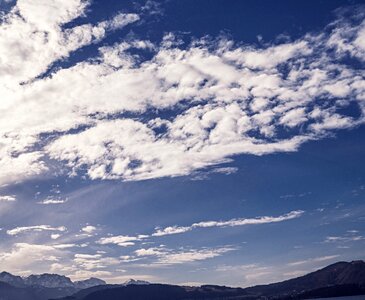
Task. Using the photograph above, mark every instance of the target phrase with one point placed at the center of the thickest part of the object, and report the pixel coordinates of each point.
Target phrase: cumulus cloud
(222, 98)
(19, 230)
(230, 223)
(24, 255)
(58, 258)
(31, 40)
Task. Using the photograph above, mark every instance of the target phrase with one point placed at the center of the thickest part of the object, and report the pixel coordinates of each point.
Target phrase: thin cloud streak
(126, 241)
(311, 260)
(24, 229)
(7, 198)
(230, 223)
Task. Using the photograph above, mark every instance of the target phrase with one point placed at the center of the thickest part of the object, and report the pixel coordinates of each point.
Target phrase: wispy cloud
(230, 223)
(94, 261)
(167, 256)
(241, 268)
(121, 240)
(24, 229)
(125, 240)
(333, 239)
(311, 260)
(49, 201)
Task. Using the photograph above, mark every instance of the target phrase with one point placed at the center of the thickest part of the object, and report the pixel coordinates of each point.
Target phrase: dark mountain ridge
(340, 273)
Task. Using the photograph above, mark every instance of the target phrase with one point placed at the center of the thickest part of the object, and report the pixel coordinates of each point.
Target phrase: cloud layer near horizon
(61, 248)
(121, 116)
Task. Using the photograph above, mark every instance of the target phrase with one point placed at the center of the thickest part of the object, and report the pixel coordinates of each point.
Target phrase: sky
(183, 142)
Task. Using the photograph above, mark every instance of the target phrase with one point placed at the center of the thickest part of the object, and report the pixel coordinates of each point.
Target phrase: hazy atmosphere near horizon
(181, 141)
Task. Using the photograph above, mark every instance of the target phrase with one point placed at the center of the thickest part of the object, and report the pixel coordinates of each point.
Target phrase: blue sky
(180, 141)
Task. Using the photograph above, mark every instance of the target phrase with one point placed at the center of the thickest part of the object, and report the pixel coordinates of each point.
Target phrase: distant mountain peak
(87, 283)
(135, 282)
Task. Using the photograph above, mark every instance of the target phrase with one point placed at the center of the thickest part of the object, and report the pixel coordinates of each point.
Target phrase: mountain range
(339, 279)
(47, 286)
(48, 281)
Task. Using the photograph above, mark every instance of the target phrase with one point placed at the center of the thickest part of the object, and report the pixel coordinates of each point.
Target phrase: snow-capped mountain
(11, 279)
(84, 284)
(135, 282)
(49, 281)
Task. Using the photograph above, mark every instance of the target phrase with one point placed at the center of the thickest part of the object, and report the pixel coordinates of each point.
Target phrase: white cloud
(31, 40)
(233, 99)
(19, 230)
(230, 223)
(64, 246)
(345, 239)
(88, 229)
(7, 198)
(86, 274)
(172, 230)
(125, 240)
(55, 236)
(18, 168)
(61, 268)
(120, 240)
(225, 170)
(23, 256)
(193, 255)
(169, 257)
(50, 200)
(94, 261)
(148, 252)
(128, 258)
(270, 57)
(32, 37)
